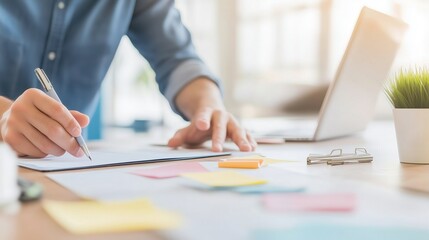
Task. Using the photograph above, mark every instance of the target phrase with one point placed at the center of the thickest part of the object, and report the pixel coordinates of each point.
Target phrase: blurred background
(274, 56)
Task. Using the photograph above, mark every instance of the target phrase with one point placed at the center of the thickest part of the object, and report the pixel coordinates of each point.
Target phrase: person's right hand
(36, 125)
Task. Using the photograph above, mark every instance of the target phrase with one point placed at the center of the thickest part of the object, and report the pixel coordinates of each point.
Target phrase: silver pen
(49, 89)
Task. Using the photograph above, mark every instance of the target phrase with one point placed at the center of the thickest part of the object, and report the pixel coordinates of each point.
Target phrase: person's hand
(214, 124)
(36, 125)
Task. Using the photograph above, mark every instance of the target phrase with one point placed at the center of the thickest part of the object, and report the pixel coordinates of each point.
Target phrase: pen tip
(90, 158)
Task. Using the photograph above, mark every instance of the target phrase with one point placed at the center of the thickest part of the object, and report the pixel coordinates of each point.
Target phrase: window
(266, 51)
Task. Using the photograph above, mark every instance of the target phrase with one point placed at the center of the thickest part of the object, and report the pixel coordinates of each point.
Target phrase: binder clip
(337, 157)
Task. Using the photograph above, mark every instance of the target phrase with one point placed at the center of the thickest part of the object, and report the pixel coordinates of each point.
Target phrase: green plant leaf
(409, 88)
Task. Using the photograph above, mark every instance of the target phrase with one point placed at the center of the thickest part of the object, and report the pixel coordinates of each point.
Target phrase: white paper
(104, 158)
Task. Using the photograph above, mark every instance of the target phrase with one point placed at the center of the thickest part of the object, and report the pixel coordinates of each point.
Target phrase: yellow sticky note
(84, 217)
(224, 179)
(241, 163)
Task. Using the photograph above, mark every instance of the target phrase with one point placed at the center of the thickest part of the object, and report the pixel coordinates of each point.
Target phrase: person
(75, 42)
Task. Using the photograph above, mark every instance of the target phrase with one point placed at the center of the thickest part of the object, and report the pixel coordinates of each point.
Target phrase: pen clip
(43, 78)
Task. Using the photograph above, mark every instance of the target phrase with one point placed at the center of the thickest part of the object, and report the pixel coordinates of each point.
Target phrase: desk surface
(386, 189)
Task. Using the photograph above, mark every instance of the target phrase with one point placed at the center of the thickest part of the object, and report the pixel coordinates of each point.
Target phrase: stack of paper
(106, 159)
(85, 217)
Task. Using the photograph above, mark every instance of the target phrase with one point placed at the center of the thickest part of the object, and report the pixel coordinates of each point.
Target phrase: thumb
(81, 118)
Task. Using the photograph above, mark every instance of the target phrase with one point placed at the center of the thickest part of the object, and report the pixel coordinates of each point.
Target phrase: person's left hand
(217, 125)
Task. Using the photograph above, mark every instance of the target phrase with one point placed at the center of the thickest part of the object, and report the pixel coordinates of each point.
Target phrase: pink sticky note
(170, 171)
(310, 202)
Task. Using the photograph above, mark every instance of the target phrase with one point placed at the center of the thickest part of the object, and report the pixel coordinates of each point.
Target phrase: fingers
(55, 111)
(23, 147)
(40, 141)
(222, 126)
(43, 125)
(252, 141)
(202, 119)
(53, 131)
(239, 136)
(177, 140)
(219, 124)
(81, 118)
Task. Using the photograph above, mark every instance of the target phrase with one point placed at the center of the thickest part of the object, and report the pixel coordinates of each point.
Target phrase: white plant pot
(412, 134)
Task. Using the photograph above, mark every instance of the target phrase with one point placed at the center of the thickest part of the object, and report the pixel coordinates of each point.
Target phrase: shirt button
(52, 56)
(61, 5)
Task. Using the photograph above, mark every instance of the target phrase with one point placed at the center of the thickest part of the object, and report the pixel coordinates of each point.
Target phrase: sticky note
(310, 202)
(170, 171)
(224, 179)
(267, 189)
(241, 163)
(257, 189)
(84, 217)
(341, 231)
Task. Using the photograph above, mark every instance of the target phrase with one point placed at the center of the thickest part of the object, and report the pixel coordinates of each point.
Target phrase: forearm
(199, 93)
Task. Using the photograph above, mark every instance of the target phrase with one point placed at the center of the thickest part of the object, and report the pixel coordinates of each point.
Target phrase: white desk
(382, 199)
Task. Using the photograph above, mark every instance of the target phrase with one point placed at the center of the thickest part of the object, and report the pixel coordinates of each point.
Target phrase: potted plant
(408, 92)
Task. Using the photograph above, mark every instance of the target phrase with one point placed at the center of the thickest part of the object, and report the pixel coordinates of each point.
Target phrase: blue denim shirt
(74, 41)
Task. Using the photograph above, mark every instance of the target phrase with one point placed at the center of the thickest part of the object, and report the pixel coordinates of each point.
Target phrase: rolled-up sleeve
(157, 31)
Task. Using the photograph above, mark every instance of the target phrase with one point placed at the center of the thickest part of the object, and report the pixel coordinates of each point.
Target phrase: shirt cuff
(185, 73)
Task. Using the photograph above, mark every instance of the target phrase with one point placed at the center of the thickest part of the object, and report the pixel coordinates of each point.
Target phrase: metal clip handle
(337, 157)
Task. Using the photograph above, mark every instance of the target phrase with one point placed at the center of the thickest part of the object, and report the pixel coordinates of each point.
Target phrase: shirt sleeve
(157, 31)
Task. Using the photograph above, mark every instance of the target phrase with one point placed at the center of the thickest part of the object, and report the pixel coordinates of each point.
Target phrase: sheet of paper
(104, 159)
(224, 179)
(85, 217)
(331, 231)
(172, 170)
(310, 202)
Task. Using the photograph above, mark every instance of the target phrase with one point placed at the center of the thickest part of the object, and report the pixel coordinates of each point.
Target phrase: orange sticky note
(241, 163)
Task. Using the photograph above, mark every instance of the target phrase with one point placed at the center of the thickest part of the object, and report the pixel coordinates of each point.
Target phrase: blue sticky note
(257, 189)
(341, 232)
(267, 189)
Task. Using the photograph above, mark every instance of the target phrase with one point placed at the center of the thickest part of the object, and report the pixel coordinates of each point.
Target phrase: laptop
(350, 100)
